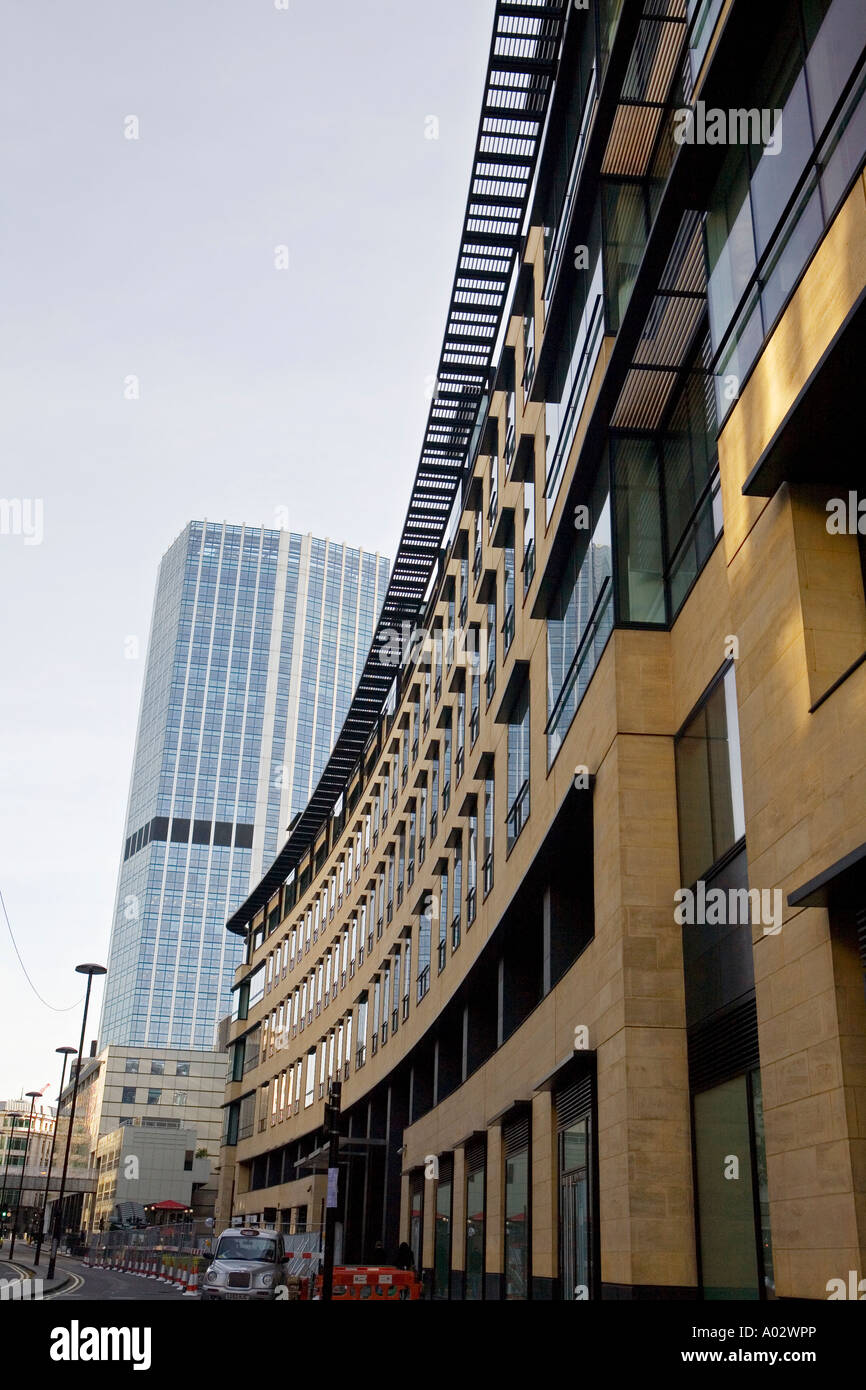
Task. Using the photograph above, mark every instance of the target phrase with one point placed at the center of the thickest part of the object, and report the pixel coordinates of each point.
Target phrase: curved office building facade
(577, 913)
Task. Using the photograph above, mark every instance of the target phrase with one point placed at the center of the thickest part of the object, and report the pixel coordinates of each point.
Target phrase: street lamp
(66, 1053)
(88, 970)
(32, 1096)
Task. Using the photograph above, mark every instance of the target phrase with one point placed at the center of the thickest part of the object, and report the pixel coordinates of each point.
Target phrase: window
(579, 621)
(180, 1098)
(490, 672)
(425, 928)
(157, 1068)
(443, 919)
(493, 493)
(709, 782)
(446, 765)
(528, 533)
(572, 367)
(471, 870)
(516, 1251)
(442, 1234)
(529, 340)
(310, 1080)
(154, 1096)
(518, 765)
(735, 1247)
(457, 907)
(488, 833)
(476, 1175)
(131, 1064)
(508, 592)
(127, 1096)
(770, 205)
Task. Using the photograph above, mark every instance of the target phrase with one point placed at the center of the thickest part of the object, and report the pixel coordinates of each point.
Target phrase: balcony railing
(508, 627)
(528, 564)
(519, 813)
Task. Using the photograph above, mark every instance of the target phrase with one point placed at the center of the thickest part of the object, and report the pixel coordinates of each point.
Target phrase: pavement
(77, 1282)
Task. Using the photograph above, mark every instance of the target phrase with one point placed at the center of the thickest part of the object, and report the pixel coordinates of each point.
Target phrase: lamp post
(32, 1096)
(66, 1053)
(89, 970)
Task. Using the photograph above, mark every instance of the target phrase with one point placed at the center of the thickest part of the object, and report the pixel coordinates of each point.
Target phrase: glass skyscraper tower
(257, 640)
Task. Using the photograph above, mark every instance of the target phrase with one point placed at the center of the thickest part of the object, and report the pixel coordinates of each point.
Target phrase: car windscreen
(246, 1248)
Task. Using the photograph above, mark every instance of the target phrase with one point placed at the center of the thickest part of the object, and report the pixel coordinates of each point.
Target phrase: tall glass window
(442, 1237)
(476, 1174)
(518, 765)
(516, 1252)
(579, 621)
(710, 782)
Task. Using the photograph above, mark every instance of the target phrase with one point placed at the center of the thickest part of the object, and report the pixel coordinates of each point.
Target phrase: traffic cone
(192, 1284)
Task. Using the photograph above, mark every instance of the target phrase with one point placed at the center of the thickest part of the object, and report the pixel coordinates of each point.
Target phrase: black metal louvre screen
(724, 1046)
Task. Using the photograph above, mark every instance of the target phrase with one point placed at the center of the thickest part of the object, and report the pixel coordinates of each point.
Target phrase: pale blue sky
(259, 388)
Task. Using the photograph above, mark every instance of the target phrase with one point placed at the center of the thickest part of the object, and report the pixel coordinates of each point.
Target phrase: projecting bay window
(416, 726)
(460, 746)
(377, 997)
(446, 765)
(477, 526)
(358, 856)
(434, 795)
(572, 367)
(367, 833)
(667, 504)
(510, 416)
(518, 766)
(443, 920)
(404, 741)
(471, 870)
(390, 905)
(775, 198)
(361, 1037)
(386, 794)
(490, 668)
(457, 907)
(493, 493)
(437, 666)
(425, 928)
(395, 988)
(410, 866)
(463, 580)
(579, 620)
(449, 634)
(395, 780)
(488, 833)
(386, 1002)
(475, 707)
(528, 534)
(401, 865)
(376, 817)
(508, 592)
(425, 723)
(422, 826)
(407, 977)
(570, 150)
(528, 340)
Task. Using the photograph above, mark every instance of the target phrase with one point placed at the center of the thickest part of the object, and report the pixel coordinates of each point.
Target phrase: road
(96, 1285)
